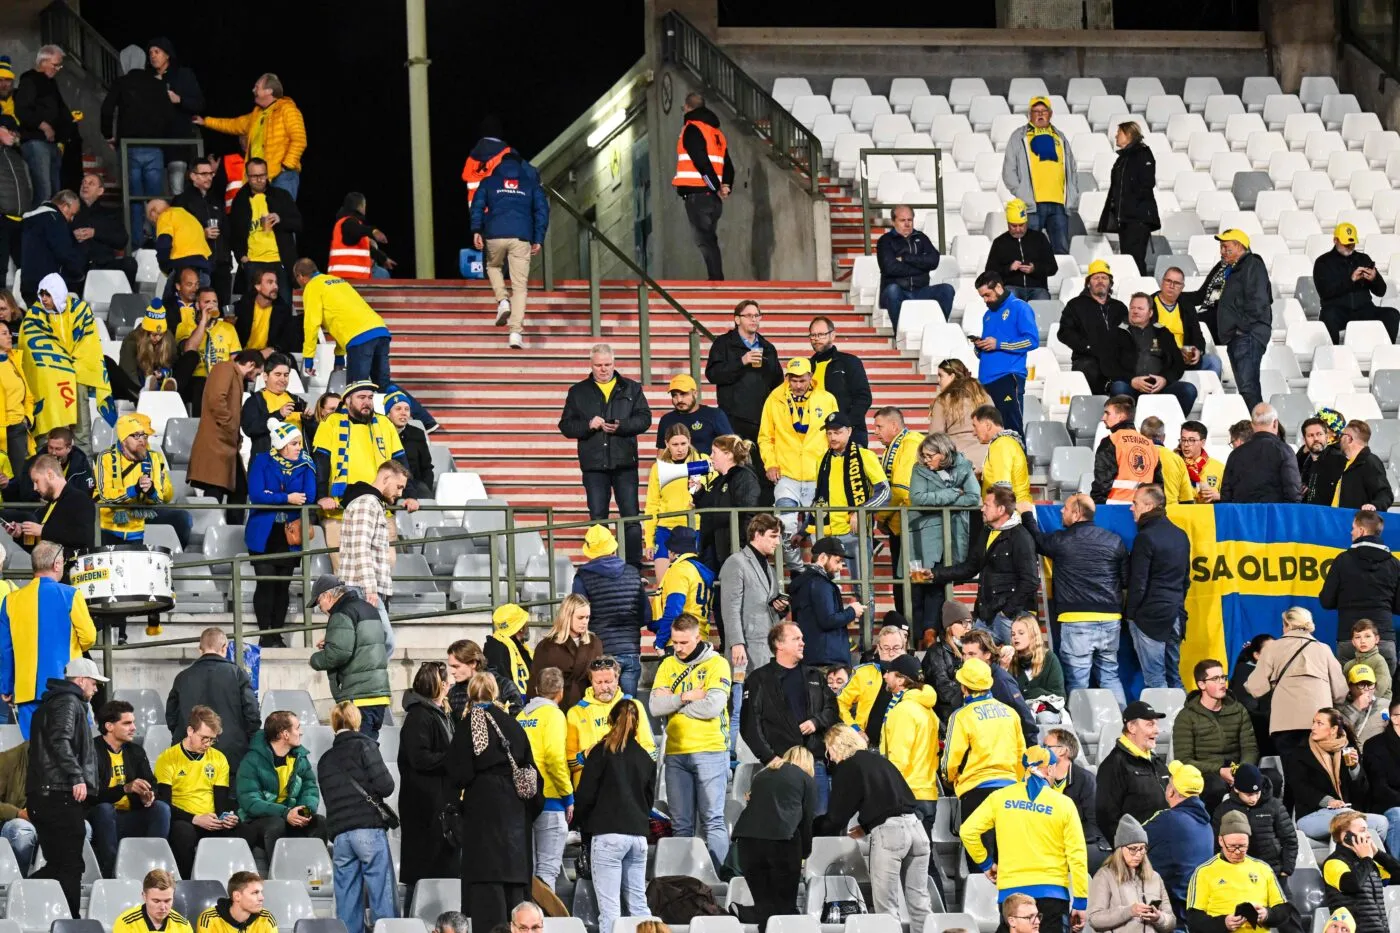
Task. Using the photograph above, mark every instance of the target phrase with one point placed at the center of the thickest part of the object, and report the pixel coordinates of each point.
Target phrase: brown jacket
(571, 659)
(215, 451)
(962, 434)
(14, 765)
(1311, 682)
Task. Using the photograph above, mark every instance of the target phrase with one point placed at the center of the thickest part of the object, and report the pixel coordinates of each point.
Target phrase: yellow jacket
(134, 921)
(18, 400)
(588, 723)
(984, 745)
(334, 304)
(123, 503)
(673, 497)
(857, 698)
(1176, 482)
(284, 133)
(1006, 463)
(899, 460)
(1040, 841)
(548, 732)
(790, 435)
(909, 739)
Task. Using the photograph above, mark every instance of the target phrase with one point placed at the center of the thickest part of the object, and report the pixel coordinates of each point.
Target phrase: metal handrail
(645, 285)
(124, 158)
(60, 25)
(867, 204)
(792, 144)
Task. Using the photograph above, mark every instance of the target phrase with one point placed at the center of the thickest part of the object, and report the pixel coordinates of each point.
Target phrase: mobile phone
(1349, 838)
(1154, 904)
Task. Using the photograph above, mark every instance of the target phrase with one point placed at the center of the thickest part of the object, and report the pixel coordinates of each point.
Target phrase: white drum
(124, 579)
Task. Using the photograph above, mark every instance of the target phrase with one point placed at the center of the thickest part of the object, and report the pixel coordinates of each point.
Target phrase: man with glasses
(1233, 880)
(587, 720)
(1213, 732)
(744, 369)
(791, 444)
(1179, 837)
(1204, 471)
(45, 121)
(193, 778)
(1019, 914)
(526, 918)
(906, 257)
(1363, 484)
(206, 205)
(1039, 170)
(263, 225)
(1077, 783)
(841, 374)
(1179, 316)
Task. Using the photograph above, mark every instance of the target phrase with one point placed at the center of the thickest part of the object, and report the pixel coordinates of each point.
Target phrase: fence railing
(59, 25)
(792, 145)
(124, 147)
(869, 204)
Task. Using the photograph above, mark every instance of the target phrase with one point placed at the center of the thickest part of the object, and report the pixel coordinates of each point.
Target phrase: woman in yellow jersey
(676, 496)
(950, 412)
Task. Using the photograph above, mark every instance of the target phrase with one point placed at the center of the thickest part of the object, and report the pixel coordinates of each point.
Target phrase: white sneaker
(517, 340)
(502, 311)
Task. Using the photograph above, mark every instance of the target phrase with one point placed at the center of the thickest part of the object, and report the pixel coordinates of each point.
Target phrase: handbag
(450, 824)
(527, 779)
(1266, 702)
(386, 812)
(292, 532)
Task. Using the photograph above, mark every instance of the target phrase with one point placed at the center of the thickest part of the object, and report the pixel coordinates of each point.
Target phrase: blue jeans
(145, 174)
(1054, 220)
(1392, 835)
(1246, 356)
(370, 360)
(1009, 396)
(1208, 362)
(631, 674)
(893, 296)
(289, 180)
(371, 718)
(1091, 646)
(1000, 627)
(363, 864)
(23, 839)
(1029, 294)
(619, 870)
(110, 826)
(695, 784)
(550, 832)
(377, 271)
(45, 168)
(1314, 825)
(866, 593)
(1159, 661)
(1183, 392)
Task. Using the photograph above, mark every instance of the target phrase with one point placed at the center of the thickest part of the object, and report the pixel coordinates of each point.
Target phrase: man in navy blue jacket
(47, 245)
(816, 605)
(906, 257)
(510, 214)
(1159, 574)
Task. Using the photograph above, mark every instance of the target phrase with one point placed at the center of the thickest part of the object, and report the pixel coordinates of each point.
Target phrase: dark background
(535, 65)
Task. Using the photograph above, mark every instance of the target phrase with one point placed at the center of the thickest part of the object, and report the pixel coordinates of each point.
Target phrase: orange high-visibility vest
(475, 172)
(349, 260)
(233, 168)
(715, 144)
(1137, 463)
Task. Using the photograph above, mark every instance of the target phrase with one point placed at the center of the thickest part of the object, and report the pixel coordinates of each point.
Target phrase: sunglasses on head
(605, 663)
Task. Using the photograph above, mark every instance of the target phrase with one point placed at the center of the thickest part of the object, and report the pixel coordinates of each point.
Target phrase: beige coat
(214, 455)
(1111, 903)
(962, 434)
(1315, 680)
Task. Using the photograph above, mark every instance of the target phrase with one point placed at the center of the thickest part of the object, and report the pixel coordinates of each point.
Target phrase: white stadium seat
(1261, 146)
(1269, 205)
(926, 107)
(1365, 184)
(1181, 127)
(1202, 147)
(1161, 108)
(865, 109)
(786, 90)
(1257, 90)
(961, 91)
(1284, 165)
(1081, 91)
(1328, 205)
(1335, 107)
(1378, 145)
(807, 108)
(1320, 145)
(844, 91)
(1102, 107)
(1279, 107)
(1308, 185)
(1198, 89)
(1355, 126)
(1342, 165)
(1297, 127)
(984, 109)
(1019, 92)
(887, 127)
(1238, 126)
(1314, 88)
(903, 91)
(1219, 107)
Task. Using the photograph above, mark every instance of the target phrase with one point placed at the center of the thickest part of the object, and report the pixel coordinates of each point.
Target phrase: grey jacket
(1111, 903)
(746, 586)
(669, 704)
(1016, 169)
(955, 485)
(1246, 304)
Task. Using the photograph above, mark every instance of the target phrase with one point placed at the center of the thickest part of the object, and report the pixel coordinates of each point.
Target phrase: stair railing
(59, 25)
(645, 286)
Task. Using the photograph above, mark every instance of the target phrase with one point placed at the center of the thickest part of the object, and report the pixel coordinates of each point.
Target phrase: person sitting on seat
(1147, 359)
(906, 257)
(1347, 280)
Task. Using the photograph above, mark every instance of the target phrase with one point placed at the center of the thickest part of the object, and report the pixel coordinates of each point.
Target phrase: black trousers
(1054, 916)
(773, 868)
(968, 803)
(703, 209)
(60, 823)
(272, 597)
(184, 839)
(1337, 318)
(9, 243)
(489, 905)
(1133, 239)
(601, 487)
(263, 833)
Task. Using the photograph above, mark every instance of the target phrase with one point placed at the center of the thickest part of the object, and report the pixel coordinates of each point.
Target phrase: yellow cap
(134, 423)
(1097, 266)
(975, 675)
(598, 542)
(799, 366)
(1361, 673)
(509, 619)
(1039, 100)
(1186, 779)
(1345, 234)
(1016, 212)
(1237, 236)
(682, 383)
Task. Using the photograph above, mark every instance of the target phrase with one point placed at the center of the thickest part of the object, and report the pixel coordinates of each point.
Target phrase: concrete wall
(1302, 38)
(1356, 74)
(601, 181)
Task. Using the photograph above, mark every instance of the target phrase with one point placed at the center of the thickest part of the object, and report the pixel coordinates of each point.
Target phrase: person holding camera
(1126, 895)
(1356, 871)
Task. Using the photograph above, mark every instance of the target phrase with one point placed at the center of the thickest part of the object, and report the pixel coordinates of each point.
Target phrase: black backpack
(681, 898)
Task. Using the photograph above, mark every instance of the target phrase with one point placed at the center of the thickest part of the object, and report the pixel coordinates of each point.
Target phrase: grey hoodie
(711, 707)
(132, 57)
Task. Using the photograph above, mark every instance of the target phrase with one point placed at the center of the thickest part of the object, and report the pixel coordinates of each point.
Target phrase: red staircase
(847, 232)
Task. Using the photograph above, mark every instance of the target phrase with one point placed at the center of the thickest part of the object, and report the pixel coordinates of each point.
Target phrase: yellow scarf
(520, 673)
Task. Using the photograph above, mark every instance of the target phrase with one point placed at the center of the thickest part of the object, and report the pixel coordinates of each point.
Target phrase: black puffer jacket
(61, 753)
(1130, 198)
(1262, 469)
(224, 687)
(940, 668)
(627, 405)
(619, 601)
(1273, 837)
(1129, 783)
(352, 755)
(1359, 887)
(741, 390)
(1087, 327)
(16, 189)
(1091, 565)
(1363, 583)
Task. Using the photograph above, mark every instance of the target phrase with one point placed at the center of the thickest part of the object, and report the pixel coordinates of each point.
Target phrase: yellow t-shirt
(220, 342)
(606, 387)
(686, 734)
(262, 242)
(839, 523)
(1047, 177)
(135, 921)
(186, 235)
(1218, 886)
(1170, 318)
(118, 776)
(262, 324)
(284, 775)
(192, 778)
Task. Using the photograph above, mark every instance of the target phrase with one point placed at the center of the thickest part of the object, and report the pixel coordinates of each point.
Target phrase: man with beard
(264, 319)
(704, 421)
(1320, 462)
(1088, 324)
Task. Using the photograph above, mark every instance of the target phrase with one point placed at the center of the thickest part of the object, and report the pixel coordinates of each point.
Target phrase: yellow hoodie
(857, 698)
(588, 723)
(909, 739)
(1006, 463)
(673, 497)
(984, 745)
(790, 435)
(547, 730)
(1040, 841)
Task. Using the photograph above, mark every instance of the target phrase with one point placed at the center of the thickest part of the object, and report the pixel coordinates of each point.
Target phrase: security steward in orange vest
(1125, 459)
(485, 155)
(704, 174)
(354, 250)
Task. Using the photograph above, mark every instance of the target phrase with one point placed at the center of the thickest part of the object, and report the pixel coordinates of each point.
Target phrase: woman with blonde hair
(733, 484)
(774, 832)
(950, 412)
(1035, 667)
(1303, 675)
(570, 647)
(675, 496)
(1126, 895)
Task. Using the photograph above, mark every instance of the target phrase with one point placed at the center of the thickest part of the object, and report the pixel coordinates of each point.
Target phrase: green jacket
(257, 782)
(956, 484)
(356, 655)
(1210, 741)
(14, 764)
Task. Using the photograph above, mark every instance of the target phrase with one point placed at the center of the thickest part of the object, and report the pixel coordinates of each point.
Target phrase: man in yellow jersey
(1040, 849)
(1363, 484)
(898, 461)
(180, 242)
(351, 445)
(1003, 559)
(1006, 454)
(1231, 880)
(156, 912)
(984, 743)
(1124, 460)
(277, 789)
(355, 652)
(132, 480)
(848, 474)
(548, 732)
(263, 224)
(193, 777)
(1180, 318)
(909, 737)
(791, 443)
(1039, 169)
(588, 718)
(263, 317)
(211, 338)
(686, 589)
(333, 304)
(864, 701)
(242, 911)
(691, 691)
(1176, 482)
(1203, 470)
(126, 803)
